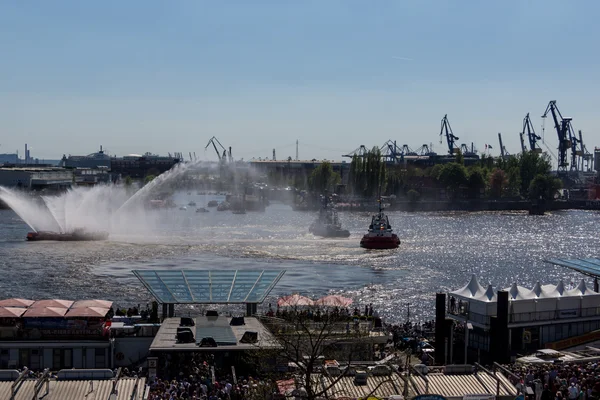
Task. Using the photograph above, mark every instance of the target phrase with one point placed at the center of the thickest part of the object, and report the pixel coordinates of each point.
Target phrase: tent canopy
(294, 300)
(334, 301)
(52, 303)
(16, 303)
(97, 312)
(471, 290)
(92, 303)
(45, 312)
(11, 312)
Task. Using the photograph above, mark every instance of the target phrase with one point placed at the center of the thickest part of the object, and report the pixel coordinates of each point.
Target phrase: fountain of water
(160, 182)
(34, 213)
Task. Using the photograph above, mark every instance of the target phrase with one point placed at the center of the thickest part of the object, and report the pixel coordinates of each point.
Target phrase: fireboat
(380, 235)
(328, 223)
(78, 235)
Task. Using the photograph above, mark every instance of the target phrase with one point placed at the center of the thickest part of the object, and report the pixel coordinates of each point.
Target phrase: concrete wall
(129, 351)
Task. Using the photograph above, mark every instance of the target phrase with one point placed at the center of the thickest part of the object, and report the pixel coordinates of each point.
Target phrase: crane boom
(531, 135)
(450, 138)
(521, 137)
(213, 140)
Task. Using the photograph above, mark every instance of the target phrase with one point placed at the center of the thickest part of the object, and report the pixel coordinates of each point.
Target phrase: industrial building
(35, 177)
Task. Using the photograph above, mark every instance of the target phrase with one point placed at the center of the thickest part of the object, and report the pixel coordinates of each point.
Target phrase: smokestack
(296, 149)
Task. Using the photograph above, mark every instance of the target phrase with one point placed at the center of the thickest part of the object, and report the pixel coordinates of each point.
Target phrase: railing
(533, 316)
(554, 315)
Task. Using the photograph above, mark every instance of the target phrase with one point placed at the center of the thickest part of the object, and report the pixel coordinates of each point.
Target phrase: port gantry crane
(222, 158)
(450, 138)
(503, 151)
(531, 135)
(566, 137)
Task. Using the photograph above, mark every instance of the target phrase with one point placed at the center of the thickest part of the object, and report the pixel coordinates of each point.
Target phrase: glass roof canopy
(209, 287)
(587, 266)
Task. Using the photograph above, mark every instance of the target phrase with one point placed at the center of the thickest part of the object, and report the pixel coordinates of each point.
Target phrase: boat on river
(380, 234)
(328, 223)
(78, 235)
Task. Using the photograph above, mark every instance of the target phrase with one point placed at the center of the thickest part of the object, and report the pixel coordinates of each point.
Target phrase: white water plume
(161, 182)
(33, 212)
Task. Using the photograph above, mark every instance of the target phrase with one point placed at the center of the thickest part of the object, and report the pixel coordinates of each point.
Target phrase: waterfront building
(35, 177)
(496, 325)
(136, 166)
(54, 334)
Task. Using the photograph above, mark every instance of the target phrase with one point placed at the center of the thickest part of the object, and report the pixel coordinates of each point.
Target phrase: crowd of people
(557, 381)
(195, 377)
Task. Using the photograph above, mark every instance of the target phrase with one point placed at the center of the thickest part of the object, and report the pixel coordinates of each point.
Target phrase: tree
(148, 179)
(530, 165)
(459, 158)
(306, 340)
(476, 181)
(453, 176)
(128, 181)
(544, 187)
(323, 178)
(498, 183)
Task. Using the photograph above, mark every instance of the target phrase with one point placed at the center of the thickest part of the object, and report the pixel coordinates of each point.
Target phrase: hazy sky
(165, 76)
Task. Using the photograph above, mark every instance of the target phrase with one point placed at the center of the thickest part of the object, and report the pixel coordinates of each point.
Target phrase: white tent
(472, 289)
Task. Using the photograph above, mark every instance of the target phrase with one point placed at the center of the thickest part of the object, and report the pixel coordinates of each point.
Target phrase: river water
(439, 252)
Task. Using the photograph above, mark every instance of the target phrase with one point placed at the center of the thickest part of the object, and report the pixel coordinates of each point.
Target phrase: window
(24, 358)
(4, 358)
(57, 359)
(67, 358)
(34, 359)
(100, 358)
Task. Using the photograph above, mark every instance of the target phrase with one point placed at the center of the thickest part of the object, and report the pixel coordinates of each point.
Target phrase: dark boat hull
(329, 232)
(67, 237)
(380, 242)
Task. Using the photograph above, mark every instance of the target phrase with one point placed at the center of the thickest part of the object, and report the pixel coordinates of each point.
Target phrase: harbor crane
(390, 152)
(503, 151)
(214, 141)
(450, 138)
(566, 137)
(425, 150)
(531, 135)
(523, 148)
(587, 158)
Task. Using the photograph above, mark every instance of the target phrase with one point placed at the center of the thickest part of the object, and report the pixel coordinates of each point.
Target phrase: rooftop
(227, 336)
(75, 390)
(209, 287)
(378, 386)
(453, 386)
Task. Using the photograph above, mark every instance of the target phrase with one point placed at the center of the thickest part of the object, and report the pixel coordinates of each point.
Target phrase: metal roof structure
(128, 388)
(587, 266)
(209, 287)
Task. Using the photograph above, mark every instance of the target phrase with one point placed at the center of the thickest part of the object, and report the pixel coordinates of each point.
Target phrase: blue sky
(161, 76)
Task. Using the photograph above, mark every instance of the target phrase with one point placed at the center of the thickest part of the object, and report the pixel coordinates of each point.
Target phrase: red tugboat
(380, 235)
(78, 235)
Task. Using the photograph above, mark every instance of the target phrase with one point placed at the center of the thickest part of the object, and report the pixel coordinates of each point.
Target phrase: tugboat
(202, 210)
(380, 235)
(192, 203)
(328, 223)
(78, 235)
(212, 203)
